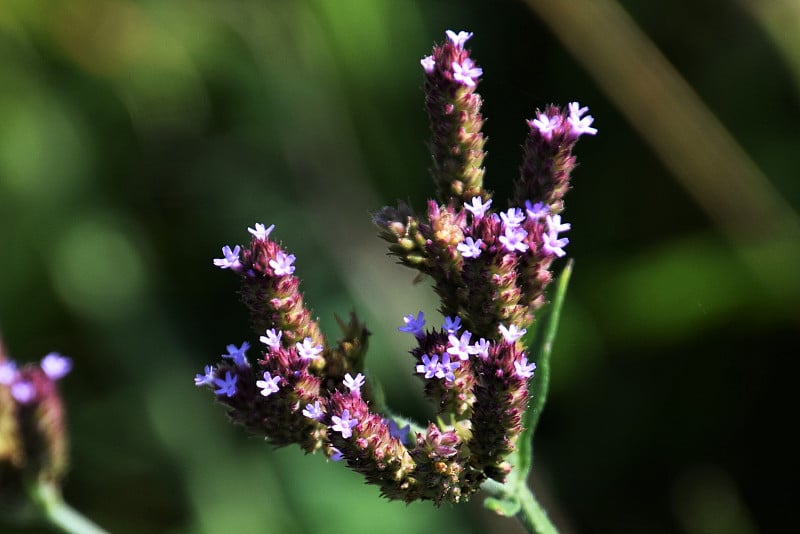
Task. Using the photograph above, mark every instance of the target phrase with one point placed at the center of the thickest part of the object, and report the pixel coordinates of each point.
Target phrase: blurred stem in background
(684, 133)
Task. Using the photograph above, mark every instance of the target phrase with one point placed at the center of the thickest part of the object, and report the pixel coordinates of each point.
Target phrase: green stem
(532, 516)
(60, 514)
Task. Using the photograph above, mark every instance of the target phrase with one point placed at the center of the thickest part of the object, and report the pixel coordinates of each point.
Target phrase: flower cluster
(33, 438)
(490, 268)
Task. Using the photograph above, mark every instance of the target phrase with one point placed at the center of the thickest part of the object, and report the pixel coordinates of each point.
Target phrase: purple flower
(413, 326)
(269, 385)
(307, 350)
(227, 386)
(344, 424)
(460, 347)
(354, 384)
(23, 391)
(553, 245)
(514, 239)
(8, 372)
(272, 339)
(536, 211)
(206, 378)
(229, 259)
(523, 368)
(56, 366)
(337, 454)
(466, 72)
(429, 366)
(470, 248)
(237, 354)
(282, 264)
(397, 432)
(580, 125)
(458, 39)
(512, 333)
(481, 348)
(313, 411)
(478, 207)
(512, 218)
(260, 232)
(545, 124)
(428, 63)
(451, 326)
(447, 367)
(554, 224)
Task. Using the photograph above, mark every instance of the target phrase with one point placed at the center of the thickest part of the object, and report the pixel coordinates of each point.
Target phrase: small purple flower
(272, 339)
(478, 207)
(451, 326)
(8, 372)
(307, 350)
(470, 248)
(228, 386)
(344, 424)
(512, 218)
(458, 39)
(460, 347)
(337, 455)
(555, 226)
(512, 333)
(282, 264)
(428, 63)
(412, 325)
(313, 411)
(23, 391)
(553, 245)
(523, 368)
(260, 232)
(56, 366)
(398, 432)
(429, 366)
(537, 211)
(466, 72)
(354, 384)
(447, 367)
(205, 378)
(229, 259)
(238, 354)
(545, 124)
(580, 125)
(269, 385)
(481, 348)
(514, 239)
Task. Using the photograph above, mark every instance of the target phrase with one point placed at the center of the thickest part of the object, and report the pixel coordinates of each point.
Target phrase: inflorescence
(490, 269)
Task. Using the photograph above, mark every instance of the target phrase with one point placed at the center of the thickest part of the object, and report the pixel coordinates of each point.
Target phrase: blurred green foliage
(136, 138)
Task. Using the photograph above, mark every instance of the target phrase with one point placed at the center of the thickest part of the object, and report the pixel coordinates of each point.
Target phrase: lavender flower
(313, 411)
(478, 207)
(238, 354)
(428, 63)
(458, 39)
(412, 325)
(523, 368)
(555, 226)
(269, 385)
(429, 366)
(512, 218)
(514, 239)
(282, 264)
(307, 350)
(354, 384)
(546, 124)
(260, 231)
(512, 333)
(446, 368)
(460, 347)
(205, 378)
(451, 325)
(229, 259)
(466, 72)
(344, 424)
(272, 339)
(24, 392)
(470, 248)
(553, 245)
(227, 386)
(481, 348)
(8, 372)
(536, 211)
(580, 125)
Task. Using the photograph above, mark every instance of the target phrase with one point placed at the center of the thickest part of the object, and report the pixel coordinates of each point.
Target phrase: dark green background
(136, 138)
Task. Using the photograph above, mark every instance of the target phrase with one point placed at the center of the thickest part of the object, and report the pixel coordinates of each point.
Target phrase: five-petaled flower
(546, 124)
(466, 72)
(477, 207)
(354, 384)
(207, 377)
(460, 347)
(282, 265)
(580, 125)
(313, 411)
(272, 339)
(512, 218)
(238, 354)
(451, 325)
(470, 248)
(344, 424)
(446, 368)
(429, 366)
(458, 39)
(523, 368)
(514, 239)
(227, 386)
(270, 384)
(412, 325)
(56, 366)
(512, 333)
(428, 63)
(307, 350)
(260, 231)
(536, 211)
(229, 259)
